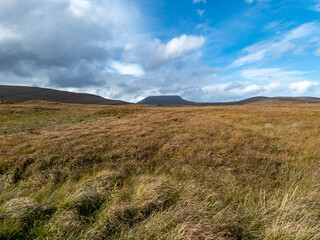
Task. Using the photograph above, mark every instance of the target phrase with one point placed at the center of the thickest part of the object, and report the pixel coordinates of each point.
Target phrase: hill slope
(265, 101)
(279, 100)
(259, 100)
(22, 94)
(168, 173)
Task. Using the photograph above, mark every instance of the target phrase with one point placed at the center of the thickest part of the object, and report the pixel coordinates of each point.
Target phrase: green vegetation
(136, 172)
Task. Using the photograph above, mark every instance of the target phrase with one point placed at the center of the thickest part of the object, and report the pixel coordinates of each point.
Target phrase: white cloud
(282, 47)
(294, 41)
(316, 7)
(183, 44)
(252, 1)
(7, 34)
(282, 83)
(250, 58)
(271, 74)
(251, 89)
(302, 31)
(127, 68)
(66, 42)
(272, 87)
(200, 12)
(198, 1)
(240, 91)
(87, 45)
(271, 25)
(302, 87)
(79, 7)
(155, 54)
(317, 52)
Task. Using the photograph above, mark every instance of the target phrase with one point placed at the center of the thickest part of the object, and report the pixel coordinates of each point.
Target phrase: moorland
(71, 171)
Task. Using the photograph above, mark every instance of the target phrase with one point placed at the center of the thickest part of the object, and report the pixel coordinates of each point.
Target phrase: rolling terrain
(72, 171)
(23, 94)
(177, 100)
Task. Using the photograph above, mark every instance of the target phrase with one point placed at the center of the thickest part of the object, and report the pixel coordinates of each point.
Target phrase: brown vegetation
(137, 172)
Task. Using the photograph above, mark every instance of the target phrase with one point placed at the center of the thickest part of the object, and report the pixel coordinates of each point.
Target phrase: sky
(202, 50)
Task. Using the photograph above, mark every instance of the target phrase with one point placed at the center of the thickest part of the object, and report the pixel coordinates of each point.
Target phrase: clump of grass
(63, 225)
(116, 112)
(19, 216)
(141, 198)
(3, 167)
(90, 195)
(21, 169)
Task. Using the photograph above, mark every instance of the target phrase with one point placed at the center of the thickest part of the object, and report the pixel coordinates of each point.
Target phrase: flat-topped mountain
(165, 100)
(22, 94)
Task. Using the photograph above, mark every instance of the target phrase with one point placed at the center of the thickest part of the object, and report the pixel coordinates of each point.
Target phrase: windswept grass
(136, 172)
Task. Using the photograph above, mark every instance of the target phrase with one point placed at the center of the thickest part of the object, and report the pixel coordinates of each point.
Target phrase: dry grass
(137, 172)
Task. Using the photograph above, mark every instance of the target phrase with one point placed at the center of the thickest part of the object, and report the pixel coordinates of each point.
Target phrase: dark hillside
(22, 94)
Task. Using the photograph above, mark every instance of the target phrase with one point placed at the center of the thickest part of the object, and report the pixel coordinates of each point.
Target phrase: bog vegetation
(137, 172)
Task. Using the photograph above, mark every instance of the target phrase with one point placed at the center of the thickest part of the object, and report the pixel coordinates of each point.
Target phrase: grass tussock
(136, 172)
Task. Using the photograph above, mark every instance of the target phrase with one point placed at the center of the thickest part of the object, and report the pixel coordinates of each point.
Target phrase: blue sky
(203, 50)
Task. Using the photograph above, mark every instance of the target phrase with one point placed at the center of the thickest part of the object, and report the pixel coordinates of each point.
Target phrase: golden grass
(137, 172)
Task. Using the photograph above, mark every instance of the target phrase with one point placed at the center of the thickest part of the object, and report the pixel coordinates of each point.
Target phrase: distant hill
(279, 100)
(165, 100)
(177, 100)
(22, 94)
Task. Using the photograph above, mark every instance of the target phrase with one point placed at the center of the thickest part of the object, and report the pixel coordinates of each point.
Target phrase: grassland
(137, 172)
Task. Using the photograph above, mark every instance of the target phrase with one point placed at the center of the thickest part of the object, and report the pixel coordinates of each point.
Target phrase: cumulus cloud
(154, 54)
(240, 90)
(271, 82)
(216, 92)
(302, 87)
(45, 38)
(183, 44)
(127, 68)
(84, 45)
(263, 82)
(79, 74)
(89, 46)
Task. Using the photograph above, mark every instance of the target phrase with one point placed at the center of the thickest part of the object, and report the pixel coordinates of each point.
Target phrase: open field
(137, 172)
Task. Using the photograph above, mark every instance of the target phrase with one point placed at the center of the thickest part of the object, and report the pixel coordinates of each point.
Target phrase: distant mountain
(260, 100)
(299, 99)
(165, 100)
(279, 100)
(22, 94)
(265, 101)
